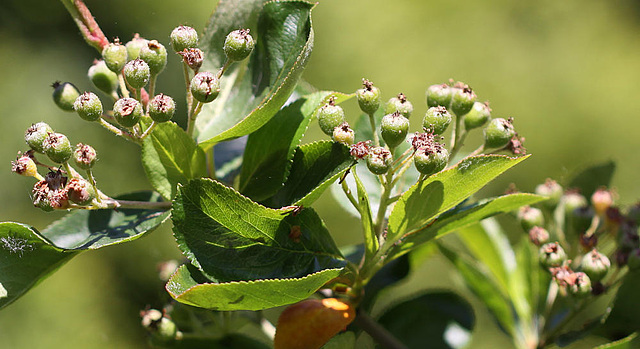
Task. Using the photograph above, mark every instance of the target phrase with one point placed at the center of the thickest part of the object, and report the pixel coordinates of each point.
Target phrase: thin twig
(377, 332)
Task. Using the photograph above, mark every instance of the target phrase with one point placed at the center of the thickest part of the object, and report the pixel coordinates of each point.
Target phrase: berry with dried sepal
(551, 190)
(115, 56)
(360, 150)
(538, 235)
(137, 73)
(430, 159)
(36, 134)
(88, 106)
(40, 196)
(595, 264)
(479, 115)
(343, 134)
(155, 54)
(102, 77)
(462, 100)
(330, 116)
(238, 45)
(580, 285)
(572, 200)
(437, 119)
(601, 200)
(183, 37)
(193, 58)
(25, 166)
(84, 156)
(552, 255)
(162, 108)
(368, 97)
(379, 160)
(161, 328)
(439, 95)
(394, 128)
(80, 191)
(57, 147)
(399, 104)
(127, 111)
(498, 133)
(51, 192)
(64, 95)
(135, 45)
(530, 217)
(205, 87)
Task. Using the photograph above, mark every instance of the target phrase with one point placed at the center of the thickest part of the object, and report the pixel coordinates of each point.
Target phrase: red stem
(86, 23)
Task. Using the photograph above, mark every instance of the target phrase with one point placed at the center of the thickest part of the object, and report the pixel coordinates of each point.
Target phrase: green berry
(430, 159)
(530, 217)
(40, 196)
(552, 255)
(205, 87)
(368, 97)
(57, 147)
(498, 133)
(343, 134)
(183, 37)
(572, 200)
(162, 329)
(35, 136)
(155, 55)
(551, 190)
(479, 114)
(581, 285)
(24, 165)
(134, 46)
(127, 111)
(192, 57)
(399, 104)
(162, 108)
(601, 200)
(102, 78)
(238, 45)
(88, 106)
(538, 235)
(379, 160)
(115, 56)
(64, 95)
(595, 264)
(462, 100)
(80, 191)
(85, 156)
(394, 128)
(136, 73)
(437, 119)
(330, 116)
(439, 95)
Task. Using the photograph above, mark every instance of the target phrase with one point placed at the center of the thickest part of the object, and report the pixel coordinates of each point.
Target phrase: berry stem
(152, 87)
(148, 131)
(187, 83)
(118, 132)
(211, 163)
(68, 169)
(86, 23)
(372, 121)
(92, 180)
(377, 332)
(455, 148)
(123, 86)
(349, 194)
(144, 205)
(193, 113)
(224, 68)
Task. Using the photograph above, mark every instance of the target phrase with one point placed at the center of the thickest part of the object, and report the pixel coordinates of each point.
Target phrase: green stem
(211, 163)
(377, 332)
(152, 86)
(224, 68)
(347, 192)
(88, 26)
(92, 180)
(458, 144)
(193, 113)
(123, 86)
(148, 131)
(372, 121)
(144, 205)
(187, 83)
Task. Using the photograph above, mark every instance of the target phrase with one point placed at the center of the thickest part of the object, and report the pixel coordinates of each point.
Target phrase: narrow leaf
(25, 260)
(370, 237)
(187, 286)
(170, 156)
(630, 342)
(231, 238)
(251, 95)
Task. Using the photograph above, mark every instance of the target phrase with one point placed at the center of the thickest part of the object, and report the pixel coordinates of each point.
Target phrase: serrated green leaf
(427, 199)
(94, 229)
(188, 285)
(630, 342)
(170, 156)
(25, 259)
(252, 94)
(463, 217)
(315, 167)
(269, 151)
(231, 238)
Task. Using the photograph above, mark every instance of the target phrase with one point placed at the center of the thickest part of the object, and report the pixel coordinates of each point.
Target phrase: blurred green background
(566, 70)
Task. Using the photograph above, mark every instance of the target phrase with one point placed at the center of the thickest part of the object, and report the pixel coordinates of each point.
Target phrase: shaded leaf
(621, 322)
(392, 273)
(341, 341)
(591, 178)
(252, 94)
(630, 342)
(231, 238)
(188, 285)
(25, 260)
(170, 156)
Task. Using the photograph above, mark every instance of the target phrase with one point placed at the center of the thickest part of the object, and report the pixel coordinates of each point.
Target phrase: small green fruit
(498, 133)
(330, 116)
(479, 114)
(24, 165)
(437, 119)
(538, 236)
(162, 108)
(115, 56)
(530, 217)
(552, 255)
(368, 97)
(127, 111)
(162, 329)
(183, 37)
(439, 95)
(551, 190)
(394, 128)
(399, 104)
(238, 45)
(134, 46)
(462, 100)
(343, 134)
(36, 134)
(581, 285)
(379, 160)
(155, 55)
(136, 73)
(64, 95)
(205, 87)
(88, 106)
(57, 147)
(595, 264)
(103, 78)
(431, 159)
(85, 156)
(80, 191)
